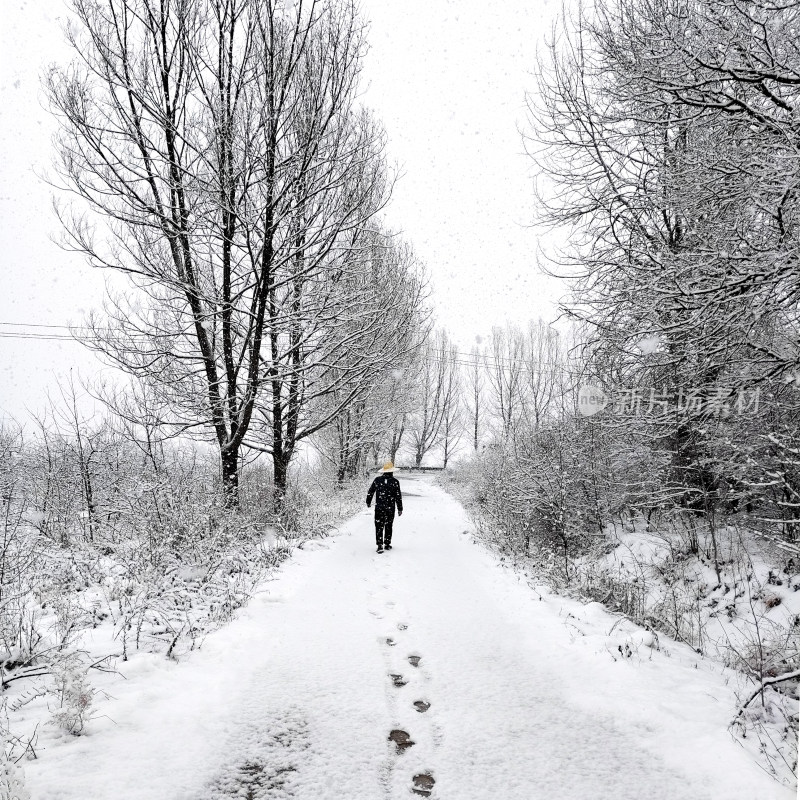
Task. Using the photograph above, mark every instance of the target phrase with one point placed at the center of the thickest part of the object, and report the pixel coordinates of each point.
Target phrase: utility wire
(463, 359)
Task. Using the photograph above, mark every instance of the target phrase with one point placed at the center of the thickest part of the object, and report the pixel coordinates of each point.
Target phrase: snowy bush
(72, 695)
(530, 500)
(12, 777)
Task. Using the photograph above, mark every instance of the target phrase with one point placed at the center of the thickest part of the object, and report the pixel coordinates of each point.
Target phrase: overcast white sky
(448, 79)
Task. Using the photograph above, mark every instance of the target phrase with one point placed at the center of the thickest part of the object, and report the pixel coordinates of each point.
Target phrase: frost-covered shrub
(768, 729)
(72, 696)
(316, 500)
(12, 777)
(529, 498)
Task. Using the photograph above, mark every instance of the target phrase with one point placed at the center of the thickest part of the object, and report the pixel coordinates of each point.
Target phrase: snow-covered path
(297, 699)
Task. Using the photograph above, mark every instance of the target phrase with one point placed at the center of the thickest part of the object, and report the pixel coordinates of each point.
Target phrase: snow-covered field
(519, 694)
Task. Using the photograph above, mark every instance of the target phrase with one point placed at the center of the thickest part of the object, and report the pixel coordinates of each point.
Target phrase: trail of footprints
(423, 782)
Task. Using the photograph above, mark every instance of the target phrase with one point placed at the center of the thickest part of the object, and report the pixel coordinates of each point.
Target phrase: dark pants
(384, 518)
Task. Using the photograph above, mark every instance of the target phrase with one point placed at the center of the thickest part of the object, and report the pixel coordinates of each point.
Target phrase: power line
(44, 336)
(37, 325)
(463, 359)
(50, 327)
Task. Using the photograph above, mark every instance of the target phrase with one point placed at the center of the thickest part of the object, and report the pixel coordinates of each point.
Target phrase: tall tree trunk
(88, 491)
(230, 476)
(280, 468)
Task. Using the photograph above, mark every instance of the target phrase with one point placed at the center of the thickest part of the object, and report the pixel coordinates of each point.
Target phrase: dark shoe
(380, 549)
(388, 547)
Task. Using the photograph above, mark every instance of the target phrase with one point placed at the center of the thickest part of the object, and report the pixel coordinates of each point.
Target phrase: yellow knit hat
(388, 467)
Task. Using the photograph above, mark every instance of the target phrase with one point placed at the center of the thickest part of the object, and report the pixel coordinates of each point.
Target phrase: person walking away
(386, 490)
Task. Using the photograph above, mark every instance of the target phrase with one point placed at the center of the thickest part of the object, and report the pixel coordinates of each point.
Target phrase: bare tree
(361, 392)
(475, 383)
(219, 144)
(505, 374)
(436, 387)
(543, 373)
(403, 405)
(69, 466)
(453, 407)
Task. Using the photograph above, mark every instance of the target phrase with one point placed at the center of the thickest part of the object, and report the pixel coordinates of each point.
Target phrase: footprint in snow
(414, 660)
(398, 680)
(268, 764)
(423, 784)
(402, 627)
(401, 739)
(391, 642)
(422, 706)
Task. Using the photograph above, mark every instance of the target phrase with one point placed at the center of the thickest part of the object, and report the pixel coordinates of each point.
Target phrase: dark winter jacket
(386, 489)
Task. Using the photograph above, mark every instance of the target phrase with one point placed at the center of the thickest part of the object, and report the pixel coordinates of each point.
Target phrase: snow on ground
(296, 698)
(758, 586)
